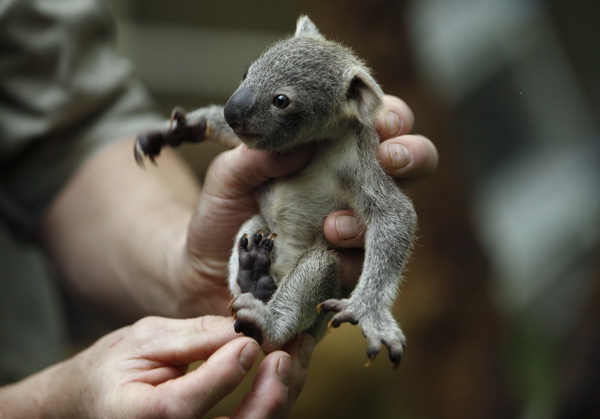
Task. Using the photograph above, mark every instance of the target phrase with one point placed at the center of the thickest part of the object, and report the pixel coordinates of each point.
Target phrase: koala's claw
(180, 130)
(340, 307)
(254, 275)
(248, 329)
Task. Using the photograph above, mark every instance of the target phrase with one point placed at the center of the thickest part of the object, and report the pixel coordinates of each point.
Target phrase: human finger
(408, 157)
(185, 340)
(203, 388)
(300, 349)
(397, 119)
(342, 229)
(228, 196)
(344, 232)
(269, 394)
(240, 171)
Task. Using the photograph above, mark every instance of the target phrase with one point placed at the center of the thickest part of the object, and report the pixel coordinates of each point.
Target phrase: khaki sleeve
(64, 94)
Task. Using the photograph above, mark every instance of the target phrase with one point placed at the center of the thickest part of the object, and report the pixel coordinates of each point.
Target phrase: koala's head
(302, 89)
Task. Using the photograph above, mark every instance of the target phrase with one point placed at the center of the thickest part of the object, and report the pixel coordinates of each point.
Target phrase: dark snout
(238, 109)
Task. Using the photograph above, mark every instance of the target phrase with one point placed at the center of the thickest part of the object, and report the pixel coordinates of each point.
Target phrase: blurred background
(502, 303)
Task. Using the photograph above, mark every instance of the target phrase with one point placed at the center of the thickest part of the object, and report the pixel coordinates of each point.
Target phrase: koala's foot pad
(378, 328)
(254, 275)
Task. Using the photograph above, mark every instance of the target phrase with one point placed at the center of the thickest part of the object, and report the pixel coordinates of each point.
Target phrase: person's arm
(140, 371)
(119, 233)
(113, 227)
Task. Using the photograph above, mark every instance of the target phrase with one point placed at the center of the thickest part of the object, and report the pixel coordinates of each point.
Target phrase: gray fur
(333, 105)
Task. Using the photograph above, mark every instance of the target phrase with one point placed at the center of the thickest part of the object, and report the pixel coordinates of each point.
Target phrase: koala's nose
(238, 106)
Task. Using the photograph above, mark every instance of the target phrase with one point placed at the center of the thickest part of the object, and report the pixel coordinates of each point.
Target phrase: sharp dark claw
(179, 115)
(244, 242)
(395, 357)
(257, 237)
(334, 324)
(267, 244)
(249, 330)
(138, 153)
(371, 355)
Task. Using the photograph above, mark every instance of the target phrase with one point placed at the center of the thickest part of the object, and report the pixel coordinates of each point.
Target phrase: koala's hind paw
(254, 275)
(253, 319)
(377, 327)
(150, 143)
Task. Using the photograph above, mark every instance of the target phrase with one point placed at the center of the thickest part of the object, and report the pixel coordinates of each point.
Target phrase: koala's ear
(305, 27)
(363, 93)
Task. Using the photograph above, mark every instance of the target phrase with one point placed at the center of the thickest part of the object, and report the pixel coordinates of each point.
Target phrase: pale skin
(154, 242)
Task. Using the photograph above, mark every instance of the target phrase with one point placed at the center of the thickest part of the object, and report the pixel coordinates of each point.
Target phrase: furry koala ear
(305, 27)
(363, 93)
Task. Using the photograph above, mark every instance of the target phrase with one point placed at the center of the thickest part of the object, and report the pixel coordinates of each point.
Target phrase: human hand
(140, 371)
(226, 201)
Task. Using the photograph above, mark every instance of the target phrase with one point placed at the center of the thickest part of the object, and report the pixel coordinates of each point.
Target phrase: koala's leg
(204, 124)
(292, 309)
(391, 222)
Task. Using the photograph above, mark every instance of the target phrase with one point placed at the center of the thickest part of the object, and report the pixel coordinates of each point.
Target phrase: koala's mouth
(248, 136)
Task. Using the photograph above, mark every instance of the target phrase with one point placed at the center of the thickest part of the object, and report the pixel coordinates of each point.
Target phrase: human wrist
(158, 263)
(47, 393)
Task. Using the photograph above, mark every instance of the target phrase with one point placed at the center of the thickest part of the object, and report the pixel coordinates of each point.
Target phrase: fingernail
(248, 355)
(284, 369)
(345, 226)
(400, 155)
(392, 123)
(305, 351)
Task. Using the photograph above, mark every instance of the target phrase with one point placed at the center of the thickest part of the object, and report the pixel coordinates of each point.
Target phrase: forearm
(45, 394)
(115, 228)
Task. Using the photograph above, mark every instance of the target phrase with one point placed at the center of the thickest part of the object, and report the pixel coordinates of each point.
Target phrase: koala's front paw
(254, 274)
(180, 130)
(252, 318)
(378, 327)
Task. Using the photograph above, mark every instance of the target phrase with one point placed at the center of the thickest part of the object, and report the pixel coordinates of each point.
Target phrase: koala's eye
(281, 101)
(245, 75)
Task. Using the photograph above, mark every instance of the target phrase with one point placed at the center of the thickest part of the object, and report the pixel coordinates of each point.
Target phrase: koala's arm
(204, 124)
(390, 222)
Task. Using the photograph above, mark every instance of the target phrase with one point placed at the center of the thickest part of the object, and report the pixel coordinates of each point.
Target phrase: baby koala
(307, 90)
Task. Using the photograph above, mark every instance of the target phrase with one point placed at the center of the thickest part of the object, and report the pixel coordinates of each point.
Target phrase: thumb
(203, 388)
(227, 199)
(239, 172)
